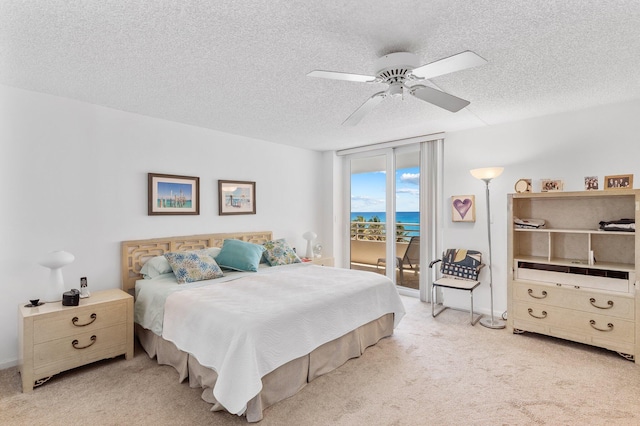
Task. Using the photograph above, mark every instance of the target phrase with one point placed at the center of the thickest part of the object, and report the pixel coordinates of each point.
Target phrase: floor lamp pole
(490, 322)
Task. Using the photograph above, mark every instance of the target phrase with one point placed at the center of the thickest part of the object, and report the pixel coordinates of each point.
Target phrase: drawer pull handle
(75, 343)
(609, 304)
(543, 316)
(544, 294)
(75, 321)
(593, 324)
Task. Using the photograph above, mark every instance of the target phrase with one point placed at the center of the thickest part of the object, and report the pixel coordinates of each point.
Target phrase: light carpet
(439, 371)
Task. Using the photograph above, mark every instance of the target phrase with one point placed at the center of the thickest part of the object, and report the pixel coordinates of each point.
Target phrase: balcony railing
(377, 231)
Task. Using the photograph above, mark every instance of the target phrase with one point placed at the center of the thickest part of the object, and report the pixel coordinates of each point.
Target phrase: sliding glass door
(385, 214)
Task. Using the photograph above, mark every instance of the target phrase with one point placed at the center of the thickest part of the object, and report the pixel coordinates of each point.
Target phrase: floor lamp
(487, 174)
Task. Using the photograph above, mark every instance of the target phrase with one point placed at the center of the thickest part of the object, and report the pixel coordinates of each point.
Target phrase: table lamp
(55, 261)
(309, 236)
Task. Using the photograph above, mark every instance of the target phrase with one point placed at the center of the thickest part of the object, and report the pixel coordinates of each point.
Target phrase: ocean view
(401, 217)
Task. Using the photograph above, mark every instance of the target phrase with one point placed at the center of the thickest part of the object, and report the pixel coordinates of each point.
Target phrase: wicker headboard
(136, 253)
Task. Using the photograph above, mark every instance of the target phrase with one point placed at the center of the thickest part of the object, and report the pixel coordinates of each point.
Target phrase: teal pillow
(240, 255)
(278, 252)
(192, 266)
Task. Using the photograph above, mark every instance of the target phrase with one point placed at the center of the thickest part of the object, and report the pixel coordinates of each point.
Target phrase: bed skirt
(281, 383)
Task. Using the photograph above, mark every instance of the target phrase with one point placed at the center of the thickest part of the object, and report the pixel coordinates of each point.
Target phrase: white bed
(251, 339)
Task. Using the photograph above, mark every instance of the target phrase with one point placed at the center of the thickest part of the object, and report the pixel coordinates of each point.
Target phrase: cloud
(411, 191)
(413, 178)
(363, 203)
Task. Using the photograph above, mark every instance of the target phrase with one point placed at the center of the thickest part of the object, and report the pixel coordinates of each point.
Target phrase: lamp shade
(309, 236)
(55, 261)
(486, 173)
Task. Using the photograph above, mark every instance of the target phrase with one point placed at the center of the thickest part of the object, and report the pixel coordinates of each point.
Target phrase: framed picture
(463, 208)
(551, 185)
(523, 185)
(591, 183)
(236, 197)
(618, 182)
(173, 195)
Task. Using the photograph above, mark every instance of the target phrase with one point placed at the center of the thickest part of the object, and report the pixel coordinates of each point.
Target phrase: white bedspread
(248, 327)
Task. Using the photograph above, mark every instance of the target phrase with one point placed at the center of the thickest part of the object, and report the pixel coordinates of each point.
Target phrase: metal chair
(460, 269)
(411, 258)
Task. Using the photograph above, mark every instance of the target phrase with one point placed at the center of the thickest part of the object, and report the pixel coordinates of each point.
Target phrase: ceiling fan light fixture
(396, 89)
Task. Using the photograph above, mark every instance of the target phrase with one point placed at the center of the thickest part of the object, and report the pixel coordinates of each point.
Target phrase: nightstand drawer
(72, 351)
(70, 322)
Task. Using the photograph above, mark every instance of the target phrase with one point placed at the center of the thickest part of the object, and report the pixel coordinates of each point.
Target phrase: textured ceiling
(240, 66)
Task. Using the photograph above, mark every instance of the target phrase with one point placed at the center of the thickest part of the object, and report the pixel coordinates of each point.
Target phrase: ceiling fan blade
(364, 109)
(438, 98)
(459, 62)
(334, 75)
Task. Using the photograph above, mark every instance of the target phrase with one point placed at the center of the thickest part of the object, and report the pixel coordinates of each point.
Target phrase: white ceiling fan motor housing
(394, 69)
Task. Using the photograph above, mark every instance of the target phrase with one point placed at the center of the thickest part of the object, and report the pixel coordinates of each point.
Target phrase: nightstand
(323, 261)
(54, 338)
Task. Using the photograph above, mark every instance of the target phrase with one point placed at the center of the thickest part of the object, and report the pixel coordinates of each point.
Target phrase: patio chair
(410, 260)
(460, 269)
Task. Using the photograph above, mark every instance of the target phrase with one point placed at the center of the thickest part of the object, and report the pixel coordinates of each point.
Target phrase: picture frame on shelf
(522, 186)
(463, 208)
(618, 182)
(551, 185)
(173, 195)
(236, 197)
(591, 183)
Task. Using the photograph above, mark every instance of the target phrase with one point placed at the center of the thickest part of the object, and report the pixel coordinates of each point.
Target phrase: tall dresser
(570, 279)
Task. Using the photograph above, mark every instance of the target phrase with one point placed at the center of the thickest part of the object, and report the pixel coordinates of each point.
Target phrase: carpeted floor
(436, 371)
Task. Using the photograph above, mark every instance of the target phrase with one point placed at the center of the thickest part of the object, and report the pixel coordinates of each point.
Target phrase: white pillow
(155, 266)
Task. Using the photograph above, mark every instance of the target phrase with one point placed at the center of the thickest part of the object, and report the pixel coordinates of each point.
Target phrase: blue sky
(368, 191)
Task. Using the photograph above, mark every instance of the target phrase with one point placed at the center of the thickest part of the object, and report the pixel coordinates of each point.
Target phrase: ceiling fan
(403, 73)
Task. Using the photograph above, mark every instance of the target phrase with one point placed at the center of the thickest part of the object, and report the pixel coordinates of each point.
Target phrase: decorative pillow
(155, 266)
(278, 252)
(460, 263)
(240, 255)
(191, 266)
(213, 251)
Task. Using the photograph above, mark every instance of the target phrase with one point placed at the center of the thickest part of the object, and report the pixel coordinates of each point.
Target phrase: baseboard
(8, 364)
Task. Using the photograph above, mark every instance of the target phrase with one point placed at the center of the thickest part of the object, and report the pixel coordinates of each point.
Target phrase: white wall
(594, 142)
(74, 177)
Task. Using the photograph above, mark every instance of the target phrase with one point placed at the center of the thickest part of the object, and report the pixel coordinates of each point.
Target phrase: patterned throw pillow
(460, 263)
(278, 252)
(191, 266)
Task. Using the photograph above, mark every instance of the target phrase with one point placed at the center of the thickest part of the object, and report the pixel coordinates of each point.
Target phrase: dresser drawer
(551, 320)
(70, 322)
(612, 305)
(54, 356)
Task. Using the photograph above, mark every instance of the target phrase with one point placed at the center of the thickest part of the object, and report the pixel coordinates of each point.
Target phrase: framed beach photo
(463, 208)
(236, 197)
(618, 182)
(551, 185)
(173, 195)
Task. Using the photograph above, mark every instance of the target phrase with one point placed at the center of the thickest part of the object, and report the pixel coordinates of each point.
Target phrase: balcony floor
(411, 278)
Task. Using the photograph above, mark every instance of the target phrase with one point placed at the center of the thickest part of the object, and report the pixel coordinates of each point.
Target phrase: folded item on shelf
(528, 223)
(627, 225)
